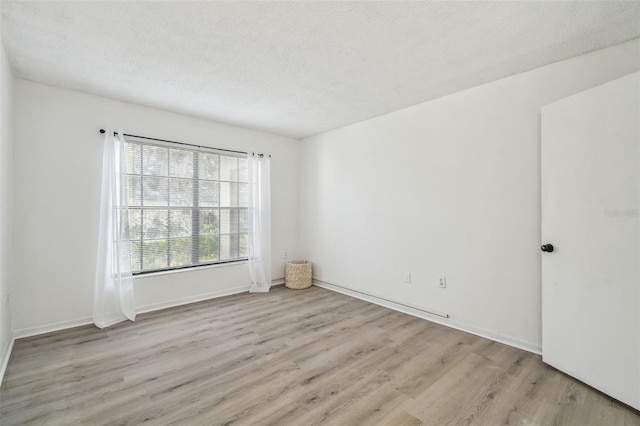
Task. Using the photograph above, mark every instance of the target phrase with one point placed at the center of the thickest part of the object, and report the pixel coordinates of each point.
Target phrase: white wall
(57, 183)
(6, 191)
(449, 187)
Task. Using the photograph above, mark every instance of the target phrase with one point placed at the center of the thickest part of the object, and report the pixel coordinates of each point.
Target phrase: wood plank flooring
(289, 357)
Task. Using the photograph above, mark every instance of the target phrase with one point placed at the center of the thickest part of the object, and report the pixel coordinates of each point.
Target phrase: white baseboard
(199, 298)
(5, 358)
(48, 328)
(190, 299)
(421, 313)
(63, 325)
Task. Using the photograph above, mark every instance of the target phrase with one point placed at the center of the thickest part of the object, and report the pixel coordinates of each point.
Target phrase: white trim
(48, 328)
(5, 358)
(190, 299)
(63, 325)
(387, 299)
(277, 281)
(458, 325)
(199, 298)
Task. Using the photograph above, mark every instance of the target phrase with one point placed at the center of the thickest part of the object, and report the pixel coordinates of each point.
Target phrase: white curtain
(113, 295)
(259, 222)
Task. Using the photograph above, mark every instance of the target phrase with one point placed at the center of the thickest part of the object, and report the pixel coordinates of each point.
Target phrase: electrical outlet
(407, 277)
(7, 300)
(443, 282)
(284, 254)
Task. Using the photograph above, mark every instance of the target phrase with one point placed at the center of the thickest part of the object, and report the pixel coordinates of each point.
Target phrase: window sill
(197, 268)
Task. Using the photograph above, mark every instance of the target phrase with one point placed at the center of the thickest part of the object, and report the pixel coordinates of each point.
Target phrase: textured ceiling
(297, 68)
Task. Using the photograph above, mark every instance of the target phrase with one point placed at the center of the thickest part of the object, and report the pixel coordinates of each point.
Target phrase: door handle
(547, 247)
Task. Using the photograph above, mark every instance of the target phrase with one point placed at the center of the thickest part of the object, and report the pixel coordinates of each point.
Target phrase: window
(187, 207)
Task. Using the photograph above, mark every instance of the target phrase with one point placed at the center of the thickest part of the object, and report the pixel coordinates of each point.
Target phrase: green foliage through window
(186, 207)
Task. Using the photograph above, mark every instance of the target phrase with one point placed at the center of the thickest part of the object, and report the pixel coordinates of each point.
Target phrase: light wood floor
(289, 358)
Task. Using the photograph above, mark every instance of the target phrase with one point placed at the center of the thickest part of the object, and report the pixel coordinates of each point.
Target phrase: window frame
(195, 207)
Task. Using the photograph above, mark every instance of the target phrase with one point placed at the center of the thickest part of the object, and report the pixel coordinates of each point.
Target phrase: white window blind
(187, 206)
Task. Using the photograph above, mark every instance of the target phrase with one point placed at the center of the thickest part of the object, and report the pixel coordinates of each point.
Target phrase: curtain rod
(180, 143)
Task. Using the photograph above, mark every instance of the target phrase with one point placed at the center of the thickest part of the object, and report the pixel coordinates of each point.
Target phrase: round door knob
(547, 247)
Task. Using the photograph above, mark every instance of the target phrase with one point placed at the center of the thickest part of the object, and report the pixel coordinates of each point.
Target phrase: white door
(591, 279)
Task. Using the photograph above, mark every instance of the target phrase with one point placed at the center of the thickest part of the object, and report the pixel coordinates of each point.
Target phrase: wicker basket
(298, 274)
